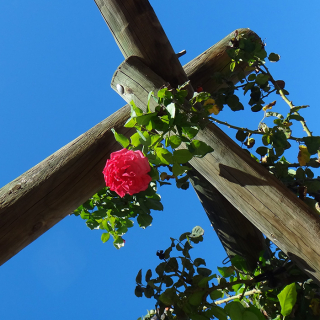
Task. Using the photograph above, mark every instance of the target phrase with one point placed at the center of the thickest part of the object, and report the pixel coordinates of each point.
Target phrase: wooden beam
(38, 199)
(48, 192)
(137, 80)
(247, 185)
(41, 197)
(127, 20)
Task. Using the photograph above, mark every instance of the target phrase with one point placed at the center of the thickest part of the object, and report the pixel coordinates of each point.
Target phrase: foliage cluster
(167, 136)
(186, 289)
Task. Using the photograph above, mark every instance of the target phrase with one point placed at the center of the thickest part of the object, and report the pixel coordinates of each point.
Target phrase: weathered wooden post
(45, 194)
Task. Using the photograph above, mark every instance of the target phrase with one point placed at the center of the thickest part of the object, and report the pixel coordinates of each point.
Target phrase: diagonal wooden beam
(38, 199)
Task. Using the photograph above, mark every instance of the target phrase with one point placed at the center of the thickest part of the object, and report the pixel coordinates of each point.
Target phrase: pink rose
(127, 172)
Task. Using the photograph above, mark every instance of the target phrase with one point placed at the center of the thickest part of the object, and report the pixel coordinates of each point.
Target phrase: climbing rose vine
(126, 172)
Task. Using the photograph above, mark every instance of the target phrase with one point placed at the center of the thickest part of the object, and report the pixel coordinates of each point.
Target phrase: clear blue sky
(56, 63)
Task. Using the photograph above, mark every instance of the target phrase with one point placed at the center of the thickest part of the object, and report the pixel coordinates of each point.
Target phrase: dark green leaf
(241, 135)
(182, 156)
(262, 151)
(172, 265)
(234, 310)
(144, 119)
(262, 78)
(148, 275)
(169, 297)
(199, 261)
(204, 272)
(216, 294)
(273, 57)
(139, 277)
(217, 312)
(313, 186)
(256, 108)
(312, 143)
(138, 291)
(199, 148)
(144, 220)
(195, 298)
(148, 292)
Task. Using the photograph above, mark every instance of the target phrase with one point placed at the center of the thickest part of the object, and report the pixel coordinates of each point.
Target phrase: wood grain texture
(138, 32)
(138, 80)
(262, 199)
(42, 196)
(247, 186)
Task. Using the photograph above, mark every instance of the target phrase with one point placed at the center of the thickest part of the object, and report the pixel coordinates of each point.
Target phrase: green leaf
(232, 65)
(139, 277)
(172, 265)
(195, 298)
(247, 315)
(287, 298)
(262, 151)
(164, 155)
(313, 186)
(257, 312)
(135, 111)
(138, 291)
(148, 292)
(135, 139)
(154, 204)
(216, 294)
(241, 135)
(203, 282)
(199, 261)
(204, 272)
(131, 122)
(182, 156)
(124, 141)
(261, 78)
(240, 263)
(174, 141)
(105, 237)
(191, 132)
(144, 119)
(178, 170)
(256, 108)
(312, 143)
(148, 275)
(273, 57)
(169, 297)
(235, 309)
(144, 220)
(199, 148)
(196, 316)
(217, 312)
(226, 272)
(234, 103)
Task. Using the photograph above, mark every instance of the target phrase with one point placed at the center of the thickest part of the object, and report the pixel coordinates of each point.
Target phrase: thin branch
(248, 130)
(248, 293)
(283, 96)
